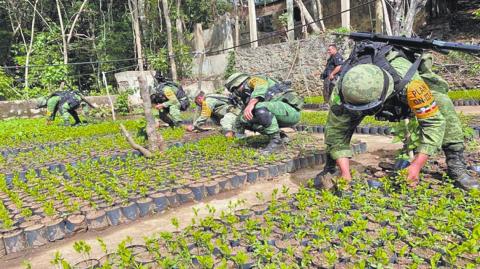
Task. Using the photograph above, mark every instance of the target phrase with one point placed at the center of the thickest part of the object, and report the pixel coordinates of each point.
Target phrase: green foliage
(314, 100)
(320, 118)
(412, 129)
(6, 85)
(122, 105)
(465, 94)
(283, 19)
(230, 65)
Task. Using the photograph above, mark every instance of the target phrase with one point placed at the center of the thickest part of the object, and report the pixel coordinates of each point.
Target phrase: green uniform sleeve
(170, 93)
(338, 132)
(52, 107)
(207, 108)
(422, 103)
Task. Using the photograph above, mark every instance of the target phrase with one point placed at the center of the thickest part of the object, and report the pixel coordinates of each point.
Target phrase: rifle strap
(409, 75)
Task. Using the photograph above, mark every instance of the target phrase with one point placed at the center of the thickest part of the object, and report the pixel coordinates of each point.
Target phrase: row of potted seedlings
(373, 130)
(95, 195)
(24, 134)
(433, 226)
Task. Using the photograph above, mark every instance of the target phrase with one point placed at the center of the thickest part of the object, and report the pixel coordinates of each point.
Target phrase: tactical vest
(159, 96)
(69, 97)
(395, 107)
(279, 91)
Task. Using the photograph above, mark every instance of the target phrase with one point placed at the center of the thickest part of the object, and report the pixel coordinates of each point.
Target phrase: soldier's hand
(159, 106)
(247, 112)
(189, 128)
(413, 175)
(229, 134)
(331, 77)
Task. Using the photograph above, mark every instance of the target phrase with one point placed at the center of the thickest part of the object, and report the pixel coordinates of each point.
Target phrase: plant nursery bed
(360, 225)
(93, 195)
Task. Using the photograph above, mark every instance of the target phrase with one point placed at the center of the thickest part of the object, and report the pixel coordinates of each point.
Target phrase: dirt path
(40, 258)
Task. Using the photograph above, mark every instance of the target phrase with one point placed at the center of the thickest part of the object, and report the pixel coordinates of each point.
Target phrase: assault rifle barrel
(415, 42)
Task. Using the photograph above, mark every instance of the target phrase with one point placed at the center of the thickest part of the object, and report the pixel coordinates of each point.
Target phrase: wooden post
(200, 50)
(112, 107)
(345, 5)
(290, 23)
(252, 22)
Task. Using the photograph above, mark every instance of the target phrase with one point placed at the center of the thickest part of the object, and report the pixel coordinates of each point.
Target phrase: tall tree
(155, 140)
(171, 54)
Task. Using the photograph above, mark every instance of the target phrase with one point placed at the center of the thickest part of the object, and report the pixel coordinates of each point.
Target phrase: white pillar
(345, 5)
(290, 22)
(252, 22)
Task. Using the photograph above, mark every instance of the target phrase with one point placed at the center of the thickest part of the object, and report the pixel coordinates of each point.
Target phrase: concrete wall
(301, 61)
(27, 109)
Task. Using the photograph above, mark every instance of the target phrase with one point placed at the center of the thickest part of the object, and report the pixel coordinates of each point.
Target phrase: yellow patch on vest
(421, 100)
(169, 94)
(256, 81)
(206, 111)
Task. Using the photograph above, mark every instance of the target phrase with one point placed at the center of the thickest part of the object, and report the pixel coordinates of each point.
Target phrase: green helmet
(41, 102)
(364, 84)
(235, 80)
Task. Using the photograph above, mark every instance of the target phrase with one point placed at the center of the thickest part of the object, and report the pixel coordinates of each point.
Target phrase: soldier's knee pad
(262, 116)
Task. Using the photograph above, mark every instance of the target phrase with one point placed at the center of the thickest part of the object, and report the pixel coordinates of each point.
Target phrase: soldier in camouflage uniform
(221, 109)
(170, 99)
(269, 106)
(66, 103)
(367, 89)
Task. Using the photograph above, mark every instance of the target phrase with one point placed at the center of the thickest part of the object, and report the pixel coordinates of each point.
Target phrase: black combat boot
(284, 137)
(457, 169)
(274, 145)
(323, 180)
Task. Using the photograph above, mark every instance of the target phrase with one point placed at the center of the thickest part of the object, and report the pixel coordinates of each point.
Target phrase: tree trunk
(64, 38)
(398, 16)
(29, 50)
(290, 21)
(304, 26)
(320, 14)
(171, 55)
(252, 23)
(379, 22)
(388, 27)
(178, 24)
(155, 140)
(308, 17)
(237, 24)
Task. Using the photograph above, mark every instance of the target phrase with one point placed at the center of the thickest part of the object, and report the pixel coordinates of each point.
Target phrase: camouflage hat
(41, 102)
(235, 80)
(364, 84)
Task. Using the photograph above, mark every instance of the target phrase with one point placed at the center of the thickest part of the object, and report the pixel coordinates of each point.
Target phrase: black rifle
(415, 42)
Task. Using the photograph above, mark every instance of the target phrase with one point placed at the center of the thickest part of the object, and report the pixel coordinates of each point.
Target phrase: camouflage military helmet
(41, 102)
(235, 80)
(364, 84)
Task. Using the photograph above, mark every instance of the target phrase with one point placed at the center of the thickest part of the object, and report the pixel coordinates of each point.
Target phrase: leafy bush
(314, 100)
(122, 105)
(465, 95)
(230, 65)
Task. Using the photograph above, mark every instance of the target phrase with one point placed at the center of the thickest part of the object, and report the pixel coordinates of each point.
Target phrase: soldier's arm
(52, 108)
(431, 121)
(172, 98)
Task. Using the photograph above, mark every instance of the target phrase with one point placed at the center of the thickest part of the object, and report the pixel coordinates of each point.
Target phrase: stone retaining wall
(301, 61)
